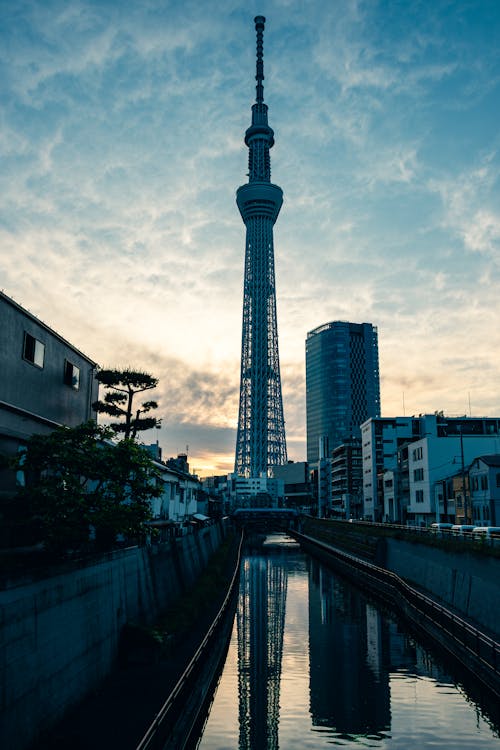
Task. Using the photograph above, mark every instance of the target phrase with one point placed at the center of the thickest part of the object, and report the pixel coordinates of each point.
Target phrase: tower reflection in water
(348, 656)
(261, 623)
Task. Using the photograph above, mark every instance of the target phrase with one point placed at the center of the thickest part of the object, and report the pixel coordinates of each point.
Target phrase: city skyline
(121, 144)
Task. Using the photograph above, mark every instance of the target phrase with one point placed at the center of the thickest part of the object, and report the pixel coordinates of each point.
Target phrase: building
(484, 481)
(380, 438)
(342, 383)
(255, 492)
(45, 381)
(174, 510)
(347, 480)
(260, 441)
(424, 452)
(295, 475)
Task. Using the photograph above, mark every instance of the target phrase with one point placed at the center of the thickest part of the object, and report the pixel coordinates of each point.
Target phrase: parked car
(438, 528)
(486, 532)
(462, 528)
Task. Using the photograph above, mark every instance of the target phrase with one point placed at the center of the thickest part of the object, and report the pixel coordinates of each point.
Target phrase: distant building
(347, 480)
(484, 482)
(342, 382)
(44, 380)
(295, 476)
(255, 492)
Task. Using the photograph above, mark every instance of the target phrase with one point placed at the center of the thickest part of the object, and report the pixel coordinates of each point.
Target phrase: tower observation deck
(260, 439)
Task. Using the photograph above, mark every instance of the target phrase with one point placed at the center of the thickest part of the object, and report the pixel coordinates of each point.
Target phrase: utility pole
(464, 493)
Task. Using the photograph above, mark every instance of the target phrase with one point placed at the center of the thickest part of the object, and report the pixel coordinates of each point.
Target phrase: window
(418, 475)
(419, 496)
(484, 481)
(71, 375)
(33, 350)
(417, 454)
(498, 480)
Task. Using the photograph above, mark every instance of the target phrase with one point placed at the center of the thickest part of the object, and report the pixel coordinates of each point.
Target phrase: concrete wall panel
(59, 636)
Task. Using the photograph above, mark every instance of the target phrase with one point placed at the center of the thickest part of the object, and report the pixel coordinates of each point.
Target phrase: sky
(121, 144)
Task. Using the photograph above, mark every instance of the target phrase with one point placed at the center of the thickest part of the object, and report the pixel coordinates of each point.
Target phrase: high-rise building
(260, 441)
(342, 383)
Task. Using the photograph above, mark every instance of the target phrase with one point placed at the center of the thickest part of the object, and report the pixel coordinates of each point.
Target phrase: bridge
(266, 519)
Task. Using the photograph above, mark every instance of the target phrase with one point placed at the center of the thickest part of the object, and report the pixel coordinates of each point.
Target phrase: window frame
(28, 337)
(69, 380)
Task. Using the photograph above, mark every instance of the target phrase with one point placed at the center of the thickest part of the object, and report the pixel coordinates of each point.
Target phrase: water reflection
(261, 621)
(313, 663)
(348, 648)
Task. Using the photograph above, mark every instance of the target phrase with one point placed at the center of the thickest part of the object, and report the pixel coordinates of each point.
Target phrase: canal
(313, 663)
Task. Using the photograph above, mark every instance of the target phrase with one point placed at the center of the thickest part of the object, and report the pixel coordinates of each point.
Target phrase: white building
(434, 453)
(434, 457)
(177, 504)
(380, 439)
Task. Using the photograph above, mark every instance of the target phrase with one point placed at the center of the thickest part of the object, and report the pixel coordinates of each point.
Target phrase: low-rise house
(174, 510)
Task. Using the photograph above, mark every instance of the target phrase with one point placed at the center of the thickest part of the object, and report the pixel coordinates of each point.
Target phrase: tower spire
(260, 441)
(259, 75)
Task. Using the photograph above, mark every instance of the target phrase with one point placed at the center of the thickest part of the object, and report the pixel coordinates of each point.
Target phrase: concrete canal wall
(59, 636)
(465, 581)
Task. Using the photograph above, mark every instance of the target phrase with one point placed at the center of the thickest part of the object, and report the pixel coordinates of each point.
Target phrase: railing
(480, 646)
(178, 697)
(466, 537)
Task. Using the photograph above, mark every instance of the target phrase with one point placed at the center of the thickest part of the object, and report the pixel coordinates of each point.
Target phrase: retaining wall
(468, 583)
(59, 636)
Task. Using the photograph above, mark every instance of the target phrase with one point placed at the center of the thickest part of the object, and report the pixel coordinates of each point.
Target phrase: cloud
(122, 145)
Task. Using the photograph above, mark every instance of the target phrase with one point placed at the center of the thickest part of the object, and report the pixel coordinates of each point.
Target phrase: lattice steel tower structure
(260, 440)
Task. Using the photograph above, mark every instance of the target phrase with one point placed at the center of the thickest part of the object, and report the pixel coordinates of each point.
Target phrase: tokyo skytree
(260, 439)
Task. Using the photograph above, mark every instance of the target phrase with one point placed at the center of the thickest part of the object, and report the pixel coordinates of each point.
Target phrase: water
(313, 663)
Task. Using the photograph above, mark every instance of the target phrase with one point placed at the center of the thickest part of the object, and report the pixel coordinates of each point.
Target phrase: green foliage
(78, 480)
(122, 386)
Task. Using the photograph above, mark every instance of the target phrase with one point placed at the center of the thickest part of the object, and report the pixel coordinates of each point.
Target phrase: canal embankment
(60, 636)
(449, 593)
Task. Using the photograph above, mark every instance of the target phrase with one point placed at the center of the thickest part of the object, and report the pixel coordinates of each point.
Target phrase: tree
(122, 386)
(78, 482)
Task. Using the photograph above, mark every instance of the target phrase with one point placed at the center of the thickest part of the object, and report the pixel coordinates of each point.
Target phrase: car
(462, 528)
(438, 527)
(486, 532)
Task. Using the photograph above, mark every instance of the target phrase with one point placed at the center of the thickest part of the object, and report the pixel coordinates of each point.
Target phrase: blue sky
(121, 139)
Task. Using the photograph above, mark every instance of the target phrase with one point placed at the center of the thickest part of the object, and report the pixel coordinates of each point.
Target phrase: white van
(441, 528)
(486, 532)
(462, 528)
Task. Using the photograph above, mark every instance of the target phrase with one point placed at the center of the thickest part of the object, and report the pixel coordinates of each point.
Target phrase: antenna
(259, 75)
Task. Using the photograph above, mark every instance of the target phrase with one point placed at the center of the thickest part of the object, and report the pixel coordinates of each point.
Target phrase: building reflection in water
(368, 681)
(348, 656)
(260, 622)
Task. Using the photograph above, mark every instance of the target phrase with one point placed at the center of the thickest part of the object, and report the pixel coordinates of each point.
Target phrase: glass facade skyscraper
(342, 383)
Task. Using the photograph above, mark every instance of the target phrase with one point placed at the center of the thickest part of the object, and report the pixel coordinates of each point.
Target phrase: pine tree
(122, 386)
